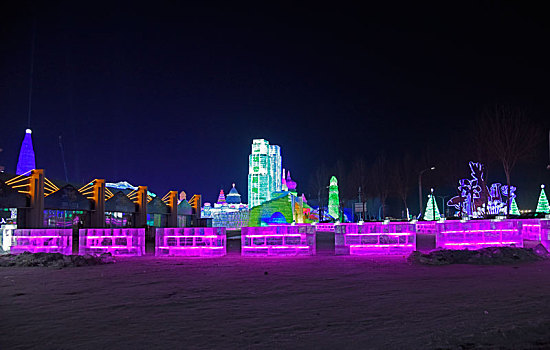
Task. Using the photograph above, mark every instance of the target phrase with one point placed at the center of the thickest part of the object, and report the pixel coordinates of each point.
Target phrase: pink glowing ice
(190, 241)
(375, 238)
(545, 233)
(42, 241)
(278, 240)
(531, 229)
(324, 227)
(428, 227)
(478, 234)
(117, 241)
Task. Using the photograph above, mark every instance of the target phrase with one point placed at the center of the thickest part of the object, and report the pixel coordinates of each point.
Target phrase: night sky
(171, 95)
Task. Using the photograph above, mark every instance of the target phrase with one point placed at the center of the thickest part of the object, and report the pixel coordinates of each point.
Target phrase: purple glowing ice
(375, 238)
(117, 241)
(42, 241)
(479, 234)
(191, 241)
(278, 240)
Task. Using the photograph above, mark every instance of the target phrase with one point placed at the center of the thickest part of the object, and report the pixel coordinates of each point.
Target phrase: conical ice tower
(432, 211)
(26, 155)
(542, 206)
(514, 210)
(221, 197)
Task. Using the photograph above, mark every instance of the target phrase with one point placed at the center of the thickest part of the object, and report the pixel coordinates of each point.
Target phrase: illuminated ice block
(117, 241)
(375, 238)
(530, 228)
(545, 233)
(476, 234)
(190, 241)
(278, 240)
(42, 241)
(427, 227)
(324, 227)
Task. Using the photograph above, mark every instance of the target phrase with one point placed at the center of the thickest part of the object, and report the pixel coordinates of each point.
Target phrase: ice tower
(542, 206)
(264, 172)
(333, 199)
(432, 211)
(26, 155)
(233, 197)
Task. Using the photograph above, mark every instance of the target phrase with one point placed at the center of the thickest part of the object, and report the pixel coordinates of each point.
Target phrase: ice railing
(52, 240)
(117, 241)
(375, 238)
(477, 234)
(190, 241)
(324, 227)
(426, 227)
(277, 240)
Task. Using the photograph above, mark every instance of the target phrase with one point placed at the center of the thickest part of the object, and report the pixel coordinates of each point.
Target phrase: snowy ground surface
(320, 302)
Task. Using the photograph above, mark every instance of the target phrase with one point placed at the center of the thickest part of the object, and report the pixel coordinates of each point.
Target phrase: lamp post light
(443, 201)
(420, 188)
(434, 204)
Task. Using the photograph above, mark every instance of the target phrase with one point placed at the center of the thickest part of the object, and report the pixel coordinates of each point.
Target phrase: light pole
(434, 202)
(420, 188)
(443, 201)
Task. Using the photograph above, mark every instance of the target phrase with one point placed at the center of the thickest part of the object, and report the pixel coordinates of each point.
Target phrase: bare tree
(358, 181)
(318, 184)
(508, 136)
(341, 174)
(402, 177)
(380, 181)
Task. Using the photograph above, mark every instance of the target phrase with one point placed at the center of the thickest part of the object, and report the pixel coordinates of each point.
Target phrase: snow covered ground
(319, 302)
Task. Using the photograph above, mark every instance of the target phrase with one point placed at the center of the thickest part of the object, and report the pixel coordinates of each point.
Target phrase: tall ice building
(264, 172)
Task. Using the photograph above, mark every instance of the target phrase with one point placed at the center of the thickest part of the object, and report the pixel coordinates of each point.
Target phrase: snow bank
(58, 260)
(485, 256)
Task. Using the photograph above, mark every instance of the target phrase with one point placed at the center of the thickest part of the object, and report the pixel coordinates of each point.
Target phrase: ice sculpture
(278, 240)
(117, 241)
(191, 241)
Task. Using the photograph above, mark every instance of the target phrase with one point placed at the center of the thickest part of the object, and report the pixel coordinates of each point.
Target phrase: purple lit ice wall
(117, 241)
(42, 241)
(545, 233)
(478, 234)
(278, 240)
(191, 241)
(530, 228)
(375, 238)
(428, 227)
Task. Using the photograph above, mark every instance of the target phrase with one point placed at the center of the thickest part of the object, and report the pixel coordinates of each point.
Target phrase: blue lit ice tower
(26, 155)
(264, 172)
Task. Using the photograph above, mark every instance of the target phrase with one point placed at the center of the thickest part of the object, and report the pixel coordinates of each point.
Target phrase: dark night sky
(170, 95)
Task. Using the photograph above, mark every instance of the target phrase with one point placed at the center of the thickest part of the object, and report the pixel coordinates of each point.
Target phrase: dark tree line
(500, 138)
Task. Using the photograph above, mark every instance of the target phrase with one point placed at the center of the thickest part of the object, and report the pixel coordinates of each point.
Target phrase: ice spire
(26, 155)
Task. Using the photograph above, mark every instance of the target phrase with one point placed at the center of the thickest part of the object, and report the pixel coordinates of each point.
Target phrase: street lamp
(434, 202)
(443, 201)
(420, 188)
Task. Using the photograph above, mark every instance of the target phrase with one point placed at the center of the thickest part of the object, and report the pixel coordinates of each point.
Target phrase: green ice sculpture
(514, 210)
(542, 206)
(333, 199)
(432, 211)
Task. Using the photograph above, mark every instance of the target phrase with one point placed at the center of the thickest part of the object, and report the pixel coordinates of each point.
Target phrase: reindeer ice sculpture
(476, 200)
